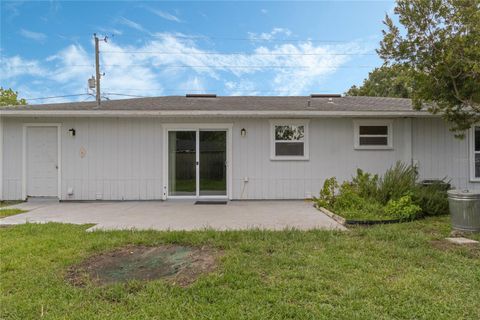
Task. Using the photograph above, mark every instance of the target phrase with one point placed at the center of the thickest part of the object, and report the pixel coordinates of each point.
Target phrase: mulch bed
(180, 265)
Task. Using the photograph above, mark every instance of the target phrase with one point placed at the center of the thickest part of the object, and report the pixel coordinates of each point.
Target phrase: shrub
(433, 199)
(350, 204)
(366, 184)
(397, 182)
(327, 194)
(403, 208)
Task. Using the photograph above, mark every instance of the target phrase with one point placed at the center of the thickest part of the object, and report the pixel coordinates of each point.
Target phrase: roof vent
(201, 95)
(328, 95)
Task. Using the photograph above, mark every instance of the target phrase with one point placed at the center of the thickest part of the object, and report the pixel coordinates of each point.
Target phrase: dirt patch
(468, 250)
(180, 265)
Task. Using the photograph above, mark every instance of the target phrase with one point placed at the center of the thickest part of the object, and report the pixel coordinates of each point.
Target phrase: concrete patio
(176, 215)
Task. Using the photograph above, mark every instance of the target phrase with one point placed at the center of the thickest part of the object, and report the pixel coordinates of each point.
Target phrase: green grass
(362, 215)
(9, 212)
(383, 272)
(8, 203)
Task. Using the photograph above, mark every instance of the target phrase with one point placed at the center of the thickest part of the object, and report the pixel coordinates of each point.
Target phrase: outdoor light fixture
(71, 132)
(243, 132)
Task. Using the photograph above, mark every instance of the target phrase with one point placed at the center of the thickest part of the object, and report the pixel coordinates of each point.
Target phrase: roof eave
(210, 113)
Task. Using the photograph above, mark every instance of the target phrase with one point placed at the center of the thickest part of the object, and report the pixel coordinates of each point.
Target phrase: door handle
(56, 167)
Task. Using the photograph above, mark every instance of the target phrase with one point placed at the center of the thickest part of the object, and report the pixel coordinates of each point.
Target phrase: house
(204, 146)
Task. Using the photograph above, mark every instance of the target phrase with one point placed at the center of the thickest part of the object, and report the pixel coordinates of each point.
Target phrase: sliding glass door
(213, 158)
(182, 163)
(197, 163)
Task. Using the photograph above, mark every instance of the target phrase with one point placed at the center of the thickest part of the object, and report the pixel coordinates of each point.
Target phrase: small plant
(397, 182)
(327, 194)
(433, 199)
(403, 208)
(365, 184)
(352, 205)
(396, 195)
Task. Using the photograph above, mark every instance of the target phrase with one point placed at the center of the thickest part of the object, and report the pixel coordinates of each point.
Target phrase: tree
(386, 81)
(441, 44)
(8, 97)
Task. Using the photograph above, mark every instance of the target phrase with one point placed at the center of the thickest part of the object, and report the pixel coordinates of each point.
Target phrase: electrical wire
(238, 53)
(124, 95)
(226, 38)
(55, 97)
(227, 66)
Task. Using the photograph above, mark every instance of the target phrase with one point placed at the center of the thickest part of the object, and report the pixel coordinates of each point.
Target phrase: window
(289, 140)
(475, 154)
(373, 134)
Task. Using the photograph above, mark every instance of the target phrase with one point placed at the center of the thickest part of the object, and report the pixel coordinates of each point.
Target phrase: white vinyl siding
(373, 134)
(475, 154)
(124, 156)
(289, 140)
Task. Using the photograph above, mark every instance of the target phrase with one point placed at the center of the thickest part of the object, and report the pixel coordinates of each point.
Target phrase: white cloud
(269, 35)
(110, 31)
(242, 87)
(37, 36)
(12, 67)
(164, 15)
(264, 11)
(131, 24)
(175, 61)
(71, 64)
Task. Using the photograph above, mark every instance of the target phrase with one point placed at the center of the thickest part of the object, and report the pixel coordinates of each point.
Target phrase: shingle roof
(233, 103)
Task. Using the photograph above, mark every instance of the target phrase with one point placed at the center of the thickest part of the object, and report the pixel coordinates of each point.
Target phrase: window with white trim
(475, 156)
(289, 140)
(373, 134)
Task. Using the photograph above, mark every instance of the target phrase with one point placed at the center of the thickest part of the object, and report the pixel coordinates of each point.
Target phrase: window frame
(377, 122)
(273, 141)
(473, 178)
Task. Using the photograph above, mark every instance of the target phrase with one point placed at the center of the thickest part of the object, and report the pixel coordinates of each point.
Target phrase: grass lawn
(9, 212)
(401, 271)
(8, 203)
(362, 215)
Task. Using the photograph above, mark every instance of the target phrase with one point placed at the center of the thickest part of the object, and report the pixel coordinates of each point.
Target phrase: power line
(228, 66)
(124, 95)
(209, 90)
(55, 97)
(215, 37)
(258, 39)
(238, 53)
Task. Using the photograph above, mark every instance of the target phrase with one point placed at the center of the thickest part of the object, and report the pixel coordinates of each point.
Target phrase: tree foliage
(8, 97)
(387, 81)
(441, 44)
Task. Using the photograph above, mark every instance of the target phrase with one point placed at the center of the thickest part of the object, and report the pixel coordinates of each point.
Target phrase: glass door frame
(227, 127)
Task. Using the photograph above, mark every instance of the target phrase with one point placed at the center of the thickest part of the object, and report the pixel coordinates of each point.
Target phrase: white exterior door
(42, 161)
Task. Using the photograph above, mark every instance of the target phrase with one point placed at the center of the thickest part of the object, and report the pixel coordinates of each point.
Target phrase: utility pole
(97, 69)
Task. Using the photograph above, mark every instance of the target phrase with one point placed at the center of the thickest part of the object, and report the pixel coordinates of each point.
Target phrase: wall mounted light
(243, 132)
(71, 132)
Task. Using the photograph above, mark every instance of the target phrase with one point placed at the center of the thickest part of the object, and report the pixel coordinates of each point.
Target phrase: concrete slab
(177, 215)
(461, 240)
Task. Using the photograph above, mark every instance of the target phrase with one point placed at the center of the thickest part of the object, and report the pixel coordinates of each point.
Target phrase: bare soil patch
(468, 250)
(180, 265)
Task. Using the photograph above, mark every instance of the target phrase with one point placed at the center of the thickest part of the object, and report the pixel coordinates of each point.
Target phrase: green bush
(397, 182)
(396, 195)
(327, 194)
(433, 199)
(366, 184)
(349, 204)
(403, 208)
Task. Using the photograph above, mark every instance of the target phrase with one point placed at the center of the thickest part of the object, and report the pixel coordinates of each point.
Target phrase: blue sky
(171, 48)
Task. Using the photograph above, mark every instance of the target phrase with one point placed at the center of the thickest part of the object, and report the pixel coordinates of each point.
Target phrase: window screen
(373, 135)
(477, 152)
(289, 140)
